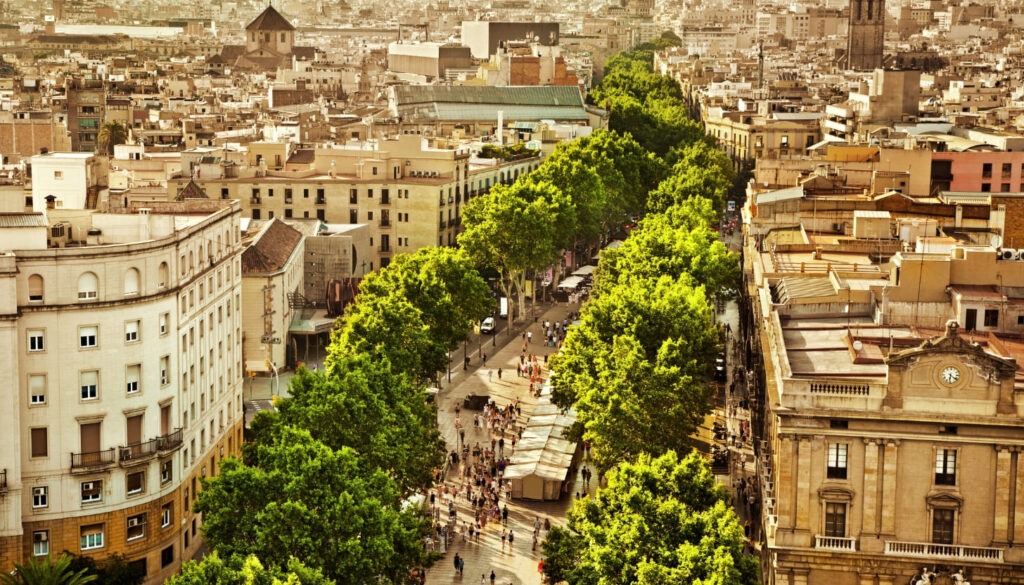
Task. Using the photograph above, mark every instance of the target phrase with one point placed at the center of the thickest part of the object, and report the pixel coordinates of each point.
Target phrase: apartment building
(888, 392)
(407, 192)
(126, 378)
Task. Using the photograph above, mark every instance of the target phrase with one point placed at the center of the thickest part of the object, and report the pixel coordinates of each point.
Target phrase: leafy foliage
(307, 501)
(212, 570)
(110, 135)
(659, 520)
(47, 571)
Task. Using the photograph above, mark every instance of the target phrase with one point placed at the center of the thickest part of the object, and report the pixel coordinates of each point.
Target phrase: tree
(658, 247)
(659, 521)
(304, 500)
(442, 283)
(244, 571)
(334, 405)
(47, 571)
(513, 229)
(114, 570)
(110, 135)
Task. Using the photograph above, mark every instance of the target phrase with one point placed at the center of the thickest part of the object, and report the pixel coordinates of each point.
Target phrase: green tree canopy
(110, 135)
(659, 521)
(514, 229)
(244, 571)
(442, 283)
(307, 501)
(334, 405)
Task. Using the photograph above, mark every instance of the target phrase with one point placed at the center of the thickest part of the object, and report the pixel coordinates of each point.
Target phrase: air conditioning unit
(1009, 254)
(88, 486)
(39, 491)
(133, 522)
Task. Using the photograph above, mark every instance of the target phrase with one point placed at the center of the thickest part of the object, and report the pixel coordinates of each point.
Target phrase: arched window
(35, 289)
(131, 282)
(162, 275)
(88, 286)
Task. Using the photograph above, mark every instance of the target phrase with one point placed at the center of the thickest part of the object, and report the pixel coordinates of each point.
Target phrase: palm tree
(47, 572)
(111, 134)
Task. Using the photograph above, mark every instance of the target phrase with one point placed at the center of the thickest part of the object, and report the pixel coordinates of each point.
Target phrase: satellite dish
(858, 345)
(996, 241)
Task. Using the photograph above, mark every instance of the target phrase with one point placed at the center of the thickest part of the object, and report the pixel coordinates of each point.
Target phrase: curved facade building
(122, 347)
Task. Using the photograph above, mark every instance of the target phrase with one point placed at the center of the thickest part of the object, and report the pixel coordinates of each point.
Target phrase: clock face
(950, 375)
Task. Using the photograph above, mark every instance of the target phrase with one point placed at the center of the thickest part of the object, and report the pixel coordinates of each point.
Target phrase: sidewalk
(516, 565)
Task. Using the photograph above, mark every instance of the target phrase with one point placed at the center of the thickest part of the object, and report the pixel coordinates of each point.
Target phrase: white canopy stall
(540, 466)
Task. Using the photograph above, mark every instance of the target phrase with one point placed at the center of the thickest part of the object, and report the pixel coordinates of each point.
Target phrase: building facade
(126, 373)
(866, 38)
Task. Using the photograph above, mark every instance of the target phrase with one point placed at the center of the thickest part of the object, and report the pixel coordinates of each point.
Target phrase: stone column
(1018, 501)
(784, 488)
(870, 500)
(889, 470)
(803, 484)
(1004, 470)
(866, 579)
(800, 575)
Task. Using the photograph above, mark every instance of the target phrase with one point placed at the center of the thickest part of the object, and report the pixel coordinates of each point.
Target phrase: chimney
(51, 201)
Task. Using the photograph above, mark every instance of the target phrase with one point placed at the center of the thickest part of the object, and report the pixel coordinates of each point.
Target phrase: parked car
(487, 326)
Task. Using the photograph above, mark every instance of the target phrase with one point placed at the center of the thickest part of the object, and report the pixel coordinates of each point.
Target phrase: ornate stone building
(866, 36)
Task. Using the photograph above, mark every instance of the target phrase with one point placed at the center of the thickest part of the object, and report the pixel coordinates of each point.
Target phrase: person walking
(493, 576)
(499, 373)
(457, 561)
(511, 539)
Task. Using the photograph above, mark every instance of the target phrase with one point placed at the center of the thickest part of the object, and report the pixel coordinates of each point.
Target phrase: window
(35, 340)
(131, 282)
(166, 515)
(37, 389)
(167, 556)
(943, 521)
(945, 467)
(256, 214)
(40, 496)
(89, 383)
(58, 175)
(41, 543)
(287, 195)
(986, 170)
(132, 376)
(88, 287)
(163, 321)
(39, 446)
(92, 536)
(991, 317)
(35, 288)
(835, 519)
(136, 527)
(131, 331)
(353, 196)
(166, 471)
(837, 460)
(986, 187)
(165, 366)
(353, 216)
(87, 336)
(92, 491)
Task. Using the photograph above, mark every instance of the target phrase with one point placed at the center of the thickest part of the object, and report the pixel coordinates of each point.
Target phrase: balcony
(169, 442)
(321, 201)
(254, 201)
(93, 459)
(385, 249)
(835, 543)
(133, 453)
(444, 224)
(385, 200)
(928, 550)
(385, 222)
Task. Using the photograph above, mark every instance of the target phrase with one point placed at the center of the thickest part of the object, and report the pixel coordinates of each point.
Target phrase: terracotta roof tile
(270, 19)
(272, 248)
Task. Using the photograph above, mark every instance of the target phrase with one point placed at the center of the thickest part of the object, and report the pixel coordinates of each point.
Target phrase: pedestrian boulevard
(515, 564)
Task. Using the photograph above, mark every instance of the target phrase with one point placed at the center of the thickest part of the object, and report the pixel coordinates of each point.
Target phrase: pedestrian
(534, 547)
(499, 373)
(488, 375)
(511, 539)
(504, 514)
(462, 566)
(504, 537)
(529, 337)
(493, 576)
(483, 579)
(458, 559)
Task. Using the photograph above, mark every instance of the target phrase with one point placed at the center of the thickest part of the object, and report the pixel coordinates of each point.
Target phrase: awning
(317, 322)
(829, 139)
(571, 282)
(584, 270)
